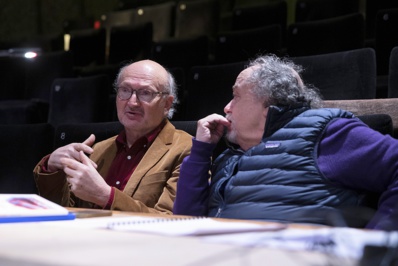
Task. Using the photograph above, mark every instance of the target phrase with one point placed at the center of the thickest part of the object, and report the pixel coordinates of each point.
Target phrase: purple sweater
(350, 153)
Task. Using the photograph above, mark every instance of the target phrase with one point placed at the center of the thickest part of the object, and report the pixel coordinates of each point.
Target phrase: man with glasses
(134, 171)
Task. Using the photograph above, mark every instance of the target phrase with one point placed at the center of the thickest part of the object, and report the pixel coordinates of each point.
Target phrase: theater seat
(79, 100)
(22, 147)
(370, 106)
(78, 132)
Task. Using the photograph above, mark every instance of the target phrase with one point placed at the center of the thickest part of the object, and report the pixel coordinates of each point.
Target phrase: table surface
(48, 243)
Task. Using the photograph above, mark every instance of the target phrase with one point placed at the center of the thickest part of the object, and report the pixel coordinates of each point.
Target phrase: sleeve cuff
(44, 164)
(201, 151)
(110, 200)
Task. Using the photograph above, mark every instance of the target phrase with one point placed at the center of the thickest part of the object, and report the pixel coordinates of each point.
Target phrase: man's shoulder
(180, 138)
(183, 134)
(335, 112)
(170, 131)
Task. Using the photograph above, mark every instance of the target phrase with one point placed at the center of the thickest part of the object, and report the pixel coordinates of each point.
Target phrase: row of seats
(335, 26)
(188, 33)
(24, 145)
(241, 14)
(202, 90)
(301, 39)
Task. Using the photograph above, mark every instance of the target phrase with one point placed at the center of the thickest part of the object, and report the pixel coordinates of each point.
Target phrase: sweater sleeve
(193, 183)
(353, 155)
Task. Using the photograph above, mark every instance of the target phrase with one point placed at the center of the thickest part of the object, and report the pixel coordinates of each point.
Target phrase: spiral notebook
(191, 226)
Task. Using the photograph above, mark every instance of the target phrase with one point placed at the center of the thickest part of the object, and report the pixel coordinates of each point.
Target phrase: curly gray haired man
(288, 158)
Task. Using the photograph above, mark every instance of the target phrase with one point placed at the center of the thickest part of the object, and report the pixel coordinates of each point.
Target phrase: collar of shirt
(127, 159)
(121, 140)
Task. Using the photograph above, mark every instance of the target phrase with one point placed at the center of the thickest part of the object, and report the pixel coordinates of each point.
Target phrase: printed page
(28, 205)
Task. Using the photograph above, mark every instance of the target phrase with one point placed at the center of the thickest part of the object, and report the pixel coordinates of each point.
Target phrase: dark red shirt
(127, 159)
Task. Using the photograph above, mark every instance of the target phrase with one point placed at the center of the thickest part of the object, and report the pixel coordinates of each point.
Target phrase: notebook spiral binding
(129, 222)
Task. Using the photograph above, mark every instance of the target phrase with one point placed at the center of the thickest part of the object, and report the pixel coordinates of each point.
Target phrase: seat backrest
(393, 74)
(183, 53)
(23, 112)
(379, 122)
(372, 7)
(22, 147)
(79, 100)
(209, 89)
(386, 38)
(118, 18)
(88, 46)
(160, 15)
(78, 132)
(326, 36)
(12, 78)
(342, 75)
(196, 18)
(187, 126)
(130, 43)
(42, 70)
(242, 45)
(370, 106)
(268, 13)
(307, 10)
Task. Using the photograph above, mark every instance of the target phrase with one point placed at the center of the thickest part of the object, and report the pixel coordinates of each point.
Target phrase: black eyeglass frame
(139, 95)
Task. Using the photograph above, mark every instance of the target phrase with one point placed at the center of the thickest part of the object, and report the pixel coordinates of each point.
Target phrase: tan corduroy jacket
(152, 186)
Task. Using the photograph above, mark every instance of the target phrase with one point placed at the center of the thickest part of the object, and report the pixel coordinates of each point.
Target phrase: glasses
(142, 95)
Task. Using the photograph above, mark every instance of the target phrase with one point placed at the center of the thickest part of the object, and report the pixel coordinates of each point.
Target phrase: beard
(231, 136)
(231, 132)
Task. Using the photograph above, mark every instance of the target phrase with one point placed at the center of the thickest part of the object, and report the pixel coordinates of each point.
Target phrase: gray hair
(170, 86)
(278, 82)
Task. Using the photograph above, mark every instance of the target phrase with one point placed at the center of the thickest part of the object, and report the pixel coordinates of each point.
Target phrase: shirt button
(129, 157)
(117, 182)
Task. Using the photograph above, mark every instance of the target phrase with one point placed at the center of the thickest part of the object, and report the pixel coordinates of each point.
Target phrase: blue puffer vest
(279, 179)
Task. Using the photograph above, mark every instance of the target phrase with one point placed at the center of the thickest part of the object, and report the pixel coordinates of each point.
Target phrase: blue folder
(43, 218)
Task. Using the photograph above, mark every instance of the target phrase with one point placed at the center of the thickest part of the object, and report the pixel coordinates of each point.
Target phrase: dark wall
(24, 20)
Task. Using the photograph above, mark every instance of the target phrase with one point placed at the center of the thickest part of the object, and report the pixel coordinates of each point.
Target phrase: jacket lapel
(154, 154)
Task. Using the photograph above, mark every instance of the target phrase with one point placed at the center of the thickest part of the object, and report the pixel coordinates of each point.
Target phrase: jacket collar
(279, 116)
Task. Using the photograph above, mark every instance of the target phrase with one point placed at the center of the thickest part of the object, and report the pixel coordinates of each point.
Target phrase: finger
(85, 146)
(71, 184)
(87, 161)
(70, 163)
(70, 174)
(213, 120)
(90, 140)
(222, 121)
(69, 180)
(82, 147)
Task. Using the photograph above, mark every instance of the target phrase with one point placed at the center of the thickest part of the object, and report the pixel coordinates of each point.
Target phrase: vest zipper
(218, 212)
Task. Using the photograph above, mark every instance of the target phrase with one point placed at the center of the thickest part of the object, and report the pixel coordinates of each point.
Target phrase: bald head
(145, 69)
